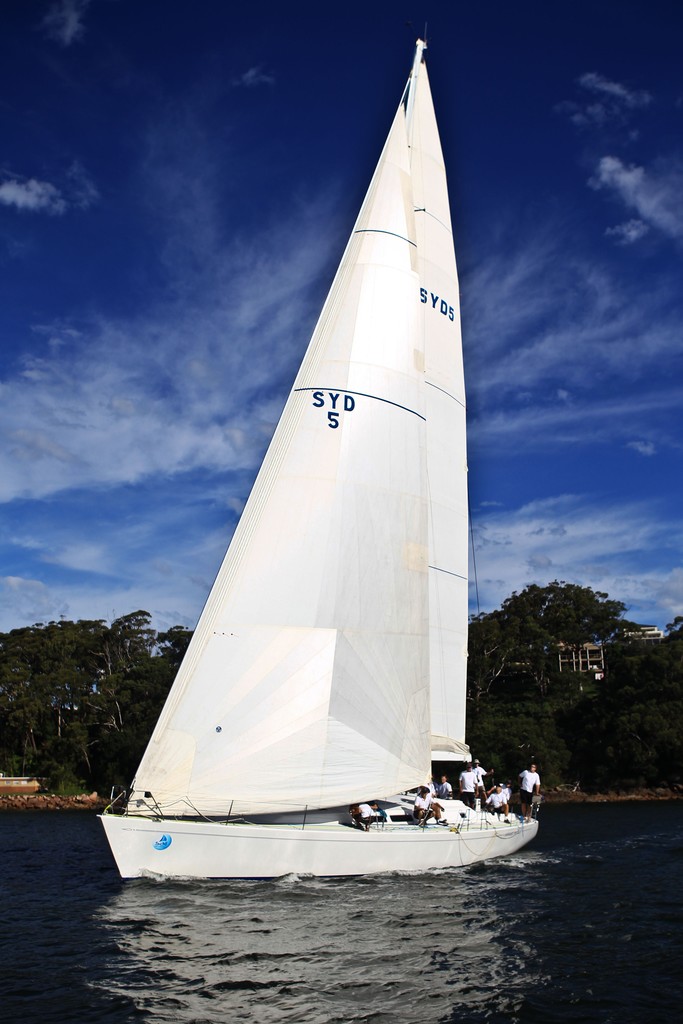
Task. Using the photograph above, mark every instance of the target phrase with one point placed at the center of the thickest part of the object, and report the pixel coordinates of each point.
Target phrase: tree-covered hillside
(621, 727)
(78, 700)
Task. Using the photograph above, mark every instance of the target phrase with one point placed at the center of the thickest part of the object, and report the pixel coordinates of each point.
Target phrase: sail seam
(364, 394)
(382, 231)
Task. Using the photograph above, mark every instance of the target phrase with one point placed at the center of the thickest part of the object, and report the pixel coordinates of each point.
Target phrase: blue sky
(177, 182)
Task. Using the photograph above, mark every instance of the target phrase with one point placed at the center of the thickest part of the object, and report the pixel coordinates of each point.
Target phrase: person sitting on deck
(426, 807)
(496, 802)
(363, 816)
(381, 816)
(507, 793)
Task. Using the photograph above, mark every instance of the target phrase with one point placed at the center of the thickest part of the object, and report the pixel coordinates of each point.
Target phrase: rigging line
(474, 555)
(442, 223)
(448, 572)
(444, 392)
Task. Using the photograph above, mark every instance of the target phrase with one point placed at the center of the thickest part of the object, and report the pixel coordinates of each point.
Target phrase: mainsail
(330, 656)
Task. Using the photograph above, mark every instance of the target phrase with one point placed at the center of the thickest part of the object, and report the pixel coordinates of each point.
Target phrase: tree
(79, 700)
(519, 702)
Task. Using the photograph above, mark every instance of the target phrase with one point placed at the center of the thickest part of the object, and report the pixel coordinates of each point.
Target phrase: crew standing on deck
(468, 785)
(529, 786)
(481, 775)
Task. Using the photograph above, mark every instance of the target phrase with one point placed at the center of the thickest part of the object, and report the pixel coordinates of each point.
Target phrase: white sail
(328, 665)
(446, 428)
(341, 603)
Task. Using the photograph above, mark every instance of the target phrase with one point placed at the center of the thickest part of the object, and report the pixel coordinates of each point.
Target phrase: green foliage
(78, 700)
(623, 728)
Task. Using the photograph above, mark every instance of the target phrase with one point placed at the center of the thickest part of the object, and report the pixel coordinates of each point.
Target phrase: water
(586, 925)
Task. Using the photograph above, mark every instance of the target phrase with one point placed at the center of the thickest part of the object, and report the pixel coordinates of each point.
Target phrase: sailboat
(328, 666)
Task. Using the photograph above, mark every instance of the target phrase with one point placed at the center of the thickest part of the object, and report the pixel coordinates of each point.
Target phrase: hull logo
(163, 842)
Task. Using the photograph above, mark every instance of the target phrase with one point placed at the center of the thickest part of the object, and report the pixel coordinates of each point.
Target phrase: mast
(446, 420)
(420, 47)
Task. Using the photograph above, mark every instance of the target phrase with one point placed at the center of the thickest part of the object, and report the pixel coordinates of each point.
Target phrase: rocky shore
(52, 802)
(562, 795)
(95, 802)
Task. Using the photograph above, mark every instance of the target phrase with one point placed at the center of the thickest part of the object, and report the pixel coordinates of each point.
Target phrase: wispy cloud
(615, 92)
(77, 191)
(193, 382)
(64, 21)
(253, 77)
(32, 195)
(580, 540)
(642, 447)
(629, 232)
(28, 601)
(546, 323)
(603, 102)
(654, 194)
(81, 190)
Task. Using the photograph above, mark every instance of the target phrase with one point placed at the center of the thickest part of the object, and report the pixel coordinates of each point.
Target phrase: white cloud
(633, 99)
(64, 21)
(580, 540)
(33, 195)
(607, 104)
(642, 447)
(27, 601)
(629, 232)
(555, 346)
(253, 77)
(597, 421)
(28, 194)
(34, 445)
(82, 191)
(655, 195)
(193, 383)
(669, 592)
(83, 556)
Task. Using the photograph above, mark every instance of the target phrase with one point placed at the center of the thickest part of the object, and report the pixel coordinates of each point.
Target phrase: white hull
(201, 849)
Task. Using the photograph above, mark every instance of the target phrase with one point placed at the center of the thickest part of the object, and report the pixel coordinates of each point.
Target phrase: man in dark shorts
(529, 784)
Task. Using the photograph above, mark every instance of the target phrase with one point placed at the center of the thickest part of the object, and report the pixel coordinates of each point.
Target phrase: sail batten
(329, 657)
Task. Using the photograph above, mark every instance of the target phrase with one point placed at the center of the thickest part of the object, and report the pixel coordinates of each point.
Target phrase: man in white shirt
(506, 790)
(426, 807)
(529, 784)
(363, 816)
(444, 789)
(495, 802)
(480, 788)
(468, 785)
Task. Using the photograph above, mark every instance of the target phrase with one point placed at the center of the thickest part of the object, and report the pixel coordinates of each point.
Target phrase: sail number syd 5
(339, 402)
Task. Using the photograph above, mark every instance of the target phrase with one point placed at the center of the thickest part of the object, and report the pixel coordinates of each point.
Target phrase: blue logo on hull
(164, 842)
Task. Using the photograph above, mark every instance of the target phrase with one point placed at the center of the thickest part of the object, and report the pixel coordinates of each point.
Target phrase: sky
(177, 184)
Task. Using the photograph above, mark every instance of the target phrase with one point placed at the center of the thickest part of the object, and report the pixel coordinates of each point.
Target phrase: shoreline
(52, 802)
(613, 796)
(95, 803)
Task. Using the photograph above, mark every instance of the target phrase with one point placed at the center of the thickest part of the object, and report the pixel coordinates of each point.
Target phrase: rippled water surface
(584, 925)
